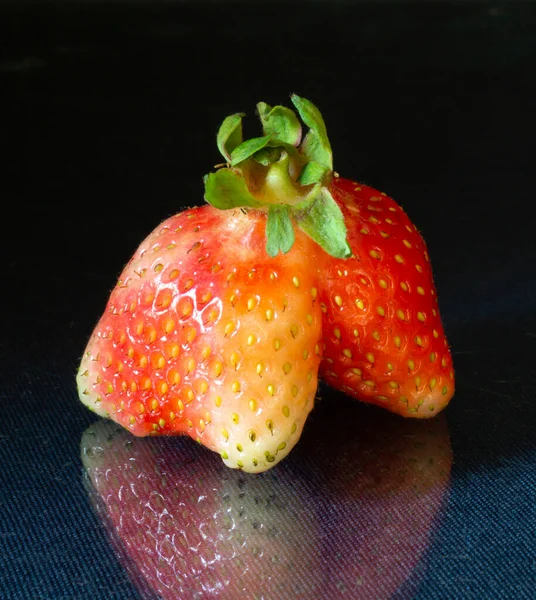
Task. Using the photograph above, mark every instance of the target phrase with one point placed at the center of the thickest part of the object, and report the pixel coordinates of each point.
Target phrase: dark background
(108, 125)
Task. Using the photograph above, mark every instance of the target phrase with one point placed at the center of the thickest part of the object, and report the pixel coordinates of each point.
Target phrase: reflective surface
(351, 511)
(109, 124)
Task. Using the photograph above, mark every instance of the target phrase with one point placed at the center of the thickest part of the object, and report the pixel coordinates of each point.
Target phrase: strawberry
(207, 335)
(215, 327)
(383, 335)
(185, 527)
(384, 342)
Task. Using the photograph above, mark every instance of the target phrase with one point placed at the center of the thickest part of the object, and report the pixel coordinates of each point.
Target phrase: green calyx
(283, 174)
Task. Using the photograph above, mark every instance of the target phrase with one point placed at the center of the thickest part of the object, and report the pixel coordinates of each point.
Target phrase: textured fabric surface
(108, 126)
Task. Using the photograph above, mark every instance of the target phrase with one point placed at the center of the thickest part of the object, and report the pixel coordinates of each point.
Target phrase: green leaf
(322, 220)
(313, 172)
(316, 144)
(226, 189)
(247, 149)
(230, 135)
(281, 123)
(279, 230)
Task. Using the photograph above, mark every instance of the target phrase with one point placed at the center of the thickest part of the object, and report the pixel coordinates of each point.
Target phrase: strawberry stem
(283, 175)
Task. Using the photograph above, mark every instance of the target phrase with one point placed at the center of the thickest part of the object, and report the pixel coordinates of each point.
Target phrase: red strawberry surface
(383, 335)
(208, 336)
(188, 528)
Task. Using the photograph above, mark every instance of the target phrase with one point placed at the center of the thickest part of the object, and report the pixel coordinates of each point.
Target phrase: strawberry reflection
(188, 527)
(347, 515)
(383, 480)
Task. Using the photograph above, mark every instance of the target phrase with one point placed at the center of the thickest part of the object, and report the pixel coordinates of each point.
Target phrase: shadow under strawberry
(383, 480)
(186, 526)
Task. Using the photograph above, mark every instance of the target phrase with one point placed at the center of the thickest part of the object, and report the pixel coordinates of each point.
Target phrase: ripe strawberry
(207, 335)
(384, 340)
(215, 327)
(186, 528)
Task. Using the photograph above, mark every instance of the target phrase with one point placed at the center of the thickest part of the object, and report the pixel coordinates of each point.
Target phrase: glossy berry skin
(383, 335)
(206, 335)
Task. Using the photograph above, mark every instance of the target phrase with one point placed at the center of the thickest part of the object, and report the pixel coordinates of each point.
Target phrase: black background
(108, 125)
